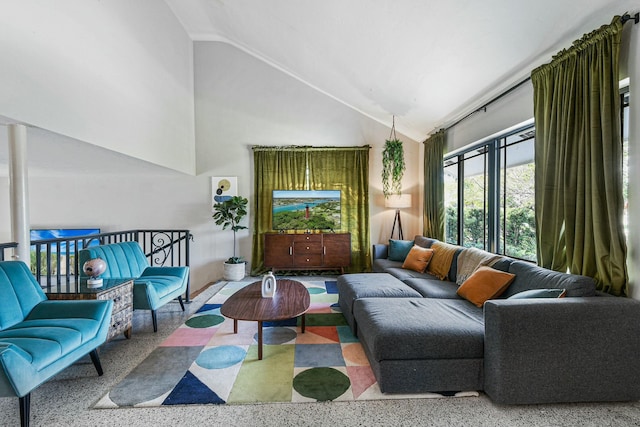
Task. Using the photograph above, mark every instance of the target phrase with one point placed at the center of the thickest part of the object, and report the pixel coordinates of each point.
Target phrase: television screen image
(306, 210)
(64, 233)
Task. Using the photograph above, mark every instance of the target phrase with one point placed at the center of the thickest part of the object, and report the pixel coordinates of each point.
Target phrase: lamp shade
(398, 201)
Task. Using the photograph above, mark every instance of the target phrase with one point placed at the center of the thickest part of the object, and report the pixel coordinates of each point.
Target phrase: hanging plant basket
(392, 164)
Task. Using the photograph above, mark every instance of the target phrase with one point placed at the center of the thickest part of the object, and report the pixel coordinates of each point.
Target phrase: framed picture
(223, 188)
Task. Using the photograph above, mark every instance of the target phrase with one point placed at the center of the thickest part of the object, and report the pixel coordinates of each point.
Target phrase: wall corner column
(19, 191)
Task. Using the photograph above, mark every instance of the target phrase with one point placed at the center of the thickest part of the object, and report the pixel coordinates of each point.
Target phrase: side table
(118, 290)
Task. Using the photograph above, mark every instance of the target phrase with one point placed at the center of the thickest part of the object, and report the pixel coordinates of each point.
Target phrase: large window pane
(474, 227)
(625, 158)
(451, 201)
(517, 231)
(493, 207)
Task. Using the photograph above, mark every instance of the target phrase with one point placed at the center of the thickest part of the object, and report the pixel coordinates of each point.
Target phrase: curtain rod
(308, 148)
(484, 107)
(624, 18)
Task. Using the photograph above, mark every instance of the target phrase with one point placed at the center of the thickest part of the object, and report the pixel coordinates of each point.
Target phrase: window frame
(494, 229)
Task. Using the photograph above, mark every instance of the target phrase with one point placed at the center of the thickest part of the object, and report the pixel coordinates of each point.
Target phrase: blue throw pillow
(399, 249)
(540, 293)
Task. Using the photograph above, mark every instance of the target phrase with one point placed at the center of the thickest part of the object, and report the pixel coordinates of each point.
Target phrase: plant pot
(234, 271)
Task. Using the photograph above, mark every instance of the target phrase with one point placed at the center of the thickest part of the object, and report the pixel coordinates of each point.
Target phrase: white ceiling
(428, 62)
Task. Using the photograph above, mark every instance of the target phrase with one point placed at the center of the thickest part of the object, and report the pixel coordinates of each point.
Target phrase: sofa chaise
(153, 287)
(39, 338)
(421, 335)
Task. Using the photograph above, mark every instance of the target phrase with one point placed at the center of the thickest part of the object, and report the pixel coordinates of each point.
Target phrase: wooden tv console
(308, 251)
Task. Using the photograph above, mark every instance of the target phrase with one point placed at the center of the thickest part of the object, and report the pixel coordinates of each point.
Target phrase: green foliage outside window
(517, 230)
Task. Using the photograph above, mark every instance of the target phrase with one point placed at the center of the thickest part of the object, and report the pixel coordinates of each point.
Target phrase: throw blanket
(442, 258)
(470, 259)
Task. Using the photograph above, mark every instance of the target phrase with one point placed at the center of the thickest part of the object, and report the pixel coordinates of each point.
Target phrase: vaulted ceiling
(428, 62)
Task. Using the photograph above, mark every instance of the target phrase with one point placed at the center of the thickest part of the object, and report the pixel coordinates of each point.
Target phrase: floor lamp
(398, 201)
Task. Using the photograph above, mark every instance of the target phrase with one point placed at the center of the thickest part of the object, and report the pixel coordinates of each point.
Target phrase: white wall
(116, 73)
(241, 102)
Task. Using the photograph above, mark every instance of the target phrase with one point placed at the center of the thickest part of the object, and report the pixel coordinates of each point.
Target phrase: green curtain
(433, 217)
(347, 169)
(578, 160)
(285, 168)
(274, 169)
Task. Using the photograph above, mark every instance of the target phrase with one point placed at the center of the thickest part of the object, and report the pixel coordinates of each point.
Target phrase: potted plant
(392, 167)
(228, 214)
(392, 164)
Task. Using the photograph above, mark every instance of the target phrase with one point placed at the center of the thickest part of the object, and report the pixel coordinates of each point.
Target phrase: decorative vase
(268, 285)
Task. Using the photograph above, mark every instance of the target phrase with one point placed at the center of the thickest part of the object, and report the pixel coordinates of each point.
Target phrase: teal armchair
(38, 337)
(153, 287)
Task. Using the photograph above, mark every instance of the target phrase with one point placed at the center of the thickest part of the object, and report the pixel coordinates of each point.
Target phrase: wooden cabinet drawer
(120, 322)
(122, 297)
(307, 248)
(296, 251)
(312, 260)
(308, 238)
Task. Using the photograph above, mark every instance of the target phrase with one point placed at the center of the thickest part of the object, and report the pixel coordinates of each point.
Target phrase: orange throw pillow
(418, 258)
(484, 284)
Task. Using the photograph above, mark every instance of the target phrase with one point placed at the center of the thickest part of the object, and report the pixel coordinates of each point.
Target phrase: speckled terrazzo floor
(67, 400)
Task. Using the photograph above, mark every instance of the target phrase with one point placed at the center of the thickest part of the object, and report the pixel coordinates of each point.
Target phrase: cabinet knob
(307, 247)
(308, 260)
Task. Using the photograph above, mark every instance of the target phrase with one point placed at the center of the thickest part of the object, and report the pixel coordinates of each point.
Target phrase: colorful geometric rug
(204, 362)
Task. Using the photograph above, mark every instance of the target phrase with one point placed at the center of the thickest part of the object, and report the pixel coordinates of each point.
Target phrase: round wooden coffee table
(291, 300)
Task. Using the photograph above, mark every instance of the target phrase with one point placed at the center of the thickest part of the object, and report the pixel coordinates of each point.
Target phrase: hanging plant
(392, 164)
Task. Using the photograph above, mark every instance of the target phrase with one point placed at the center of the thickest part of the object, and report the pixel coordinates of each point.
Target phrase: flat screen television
(306, 210)
(64, 233)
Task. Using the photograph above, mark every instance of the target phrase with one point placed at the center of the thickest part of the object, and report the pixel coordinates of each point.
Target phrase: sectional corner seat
(420, 336)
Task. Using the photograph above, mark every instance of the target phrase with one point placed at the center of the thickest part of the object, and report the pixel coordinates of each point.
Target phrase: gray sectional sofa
(420, 335)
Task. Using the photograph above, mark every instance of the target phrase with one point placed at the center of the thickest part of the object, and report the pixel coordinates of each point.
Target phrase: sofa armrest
(16, 371)
(181, 272)
(562, 350)
(72, 309)
(158, 285)
(380, 250)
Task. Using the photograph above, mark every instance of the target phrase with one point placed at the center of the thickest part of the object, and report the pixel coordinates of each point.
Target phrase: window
(624, 106)
(492, 207)
(517, 225)
(451, 200)
(474, 209)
